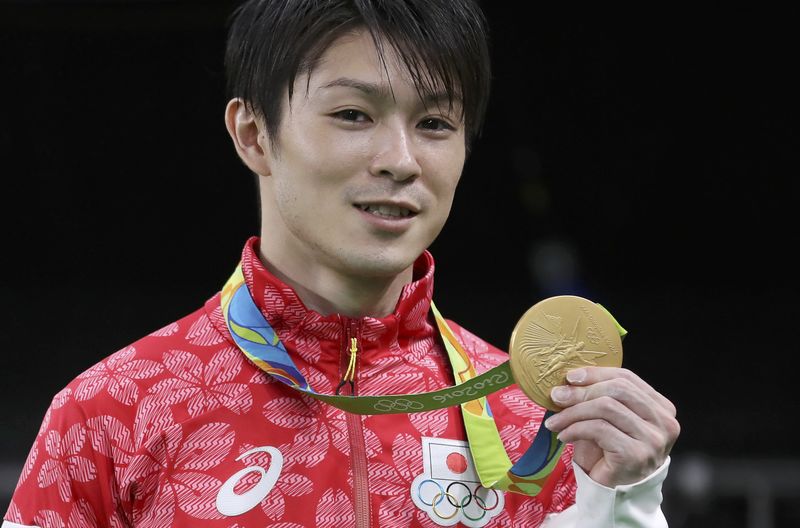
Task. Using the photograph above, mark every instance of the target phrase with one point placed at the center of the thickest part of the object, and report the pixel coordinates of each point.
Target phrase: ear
(249, 137)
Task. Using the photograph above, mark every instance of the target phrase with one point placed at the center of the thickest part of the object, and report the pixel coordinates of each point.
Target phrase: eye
(436, 125)
(354, 116)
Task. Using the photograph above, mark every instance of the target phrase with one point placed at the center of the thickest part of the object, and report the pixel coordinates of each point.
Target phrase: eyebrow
(379, 91)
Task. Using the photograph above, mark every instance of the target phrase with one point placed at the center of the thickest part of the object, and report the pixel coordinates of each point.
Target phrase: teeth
(386, 210)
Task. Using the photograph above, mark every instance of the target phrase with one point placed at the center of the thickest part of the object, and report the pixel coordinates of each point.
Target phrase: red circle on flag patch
(456, 463)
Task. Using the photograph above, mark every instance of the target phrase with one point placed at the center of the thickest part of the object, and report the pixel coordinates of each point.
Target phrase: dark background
(645, 160)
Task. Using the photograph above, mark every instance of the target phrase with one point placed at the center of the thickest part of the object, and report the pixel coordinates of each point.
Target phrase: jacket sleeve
(64, 482)
(635, 505)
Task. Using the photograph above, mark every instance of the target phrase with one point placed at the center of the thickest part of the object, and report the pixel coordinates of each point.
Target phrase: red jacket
(180, 429)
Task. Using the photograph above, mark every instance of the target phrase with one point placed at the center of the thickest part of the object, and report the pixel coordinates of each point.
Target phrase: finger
(629, 409)
(586, 454)
(591, 375)
(619, 389)
(614, 413)
(625, 459)
(603, 434)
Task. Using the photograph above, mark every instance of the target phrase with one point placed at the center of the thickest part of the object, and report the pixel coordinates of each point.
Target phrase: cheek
(323, 148)
(449, 174)
(313, 168)
(444, 191)
(327, 166)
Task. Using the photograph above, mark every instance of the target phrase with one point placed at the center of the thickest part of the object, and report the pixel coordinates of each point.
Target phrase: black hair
(442, 43)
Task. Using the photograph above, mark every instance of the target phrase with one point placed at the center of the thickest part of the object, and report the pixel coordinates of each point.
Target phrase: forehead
(355, 55)
(353, 61)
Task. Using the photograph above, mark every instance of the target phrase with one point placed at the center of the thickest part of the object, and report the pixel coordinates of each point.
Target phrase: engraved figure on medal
(555, 352)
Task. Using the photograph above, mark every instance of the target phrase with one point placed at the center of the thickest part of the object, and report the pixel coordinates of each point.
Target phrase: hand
(621, 428)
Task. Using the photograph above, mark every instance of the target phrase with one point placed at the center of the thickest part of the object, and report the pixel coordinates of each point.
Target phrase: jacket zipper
(355, 429)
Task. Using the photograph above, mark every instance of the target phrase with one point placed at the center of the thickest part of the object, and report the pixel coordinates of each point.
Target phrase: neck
(327, 291)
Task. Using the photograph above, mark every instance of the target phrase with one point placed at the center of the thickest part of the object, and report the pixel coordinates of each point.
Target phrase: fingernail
(560, 393)
(549, 423)
(576, 376)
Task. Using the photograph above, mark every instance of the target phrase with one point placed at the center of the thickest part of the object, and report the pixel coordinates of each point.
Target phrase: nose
(395, 154)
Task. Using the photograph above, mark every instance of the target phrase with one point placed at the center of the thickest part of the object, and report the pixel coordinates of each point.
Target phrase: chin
(382, 264)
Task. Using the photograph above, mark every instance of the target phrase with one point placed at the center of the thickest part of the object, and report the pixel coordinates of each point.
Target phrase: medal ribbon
(255, 337)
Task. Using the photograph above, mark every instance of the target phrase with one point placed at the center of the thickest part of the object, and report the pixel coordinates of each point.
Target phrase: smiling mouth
(386, 211)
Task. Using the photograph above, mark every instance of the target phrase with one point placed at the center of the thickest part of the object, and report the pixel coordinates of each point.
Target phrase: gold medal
(557, 335)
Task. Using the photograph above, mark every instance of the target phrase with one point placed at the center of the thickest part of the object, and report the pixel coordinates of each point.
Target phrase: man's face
(364, 175)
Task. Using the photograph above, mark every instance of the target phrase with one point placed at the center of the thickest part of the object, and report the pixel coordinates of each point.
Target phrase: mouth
(386, 210)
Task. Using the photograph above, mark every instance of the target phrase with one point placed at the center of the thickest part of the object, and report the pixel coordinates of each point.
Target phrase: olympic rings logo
(399, 404)
(472, 504)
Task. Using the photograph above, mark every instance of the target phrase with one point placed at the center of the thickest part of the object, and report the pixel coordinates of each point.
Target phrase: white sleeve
(635, 505)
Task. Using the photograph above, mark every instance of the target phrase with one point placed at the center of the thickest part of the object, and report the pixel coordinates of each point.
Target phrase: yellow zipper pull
(350, 373)
(351, 368)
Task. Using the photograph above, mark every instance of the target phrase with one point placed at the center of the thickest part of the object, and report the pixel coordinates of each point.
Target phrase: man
(356, 117)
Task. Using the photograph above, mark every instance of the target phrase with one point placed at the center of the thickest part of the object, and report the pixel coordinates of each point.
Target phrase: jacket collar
(289, 316)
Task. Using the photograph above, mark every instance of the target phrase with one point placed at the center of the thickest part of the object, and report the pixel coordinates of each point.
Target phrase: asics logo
(231, 503)
(400, 404)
